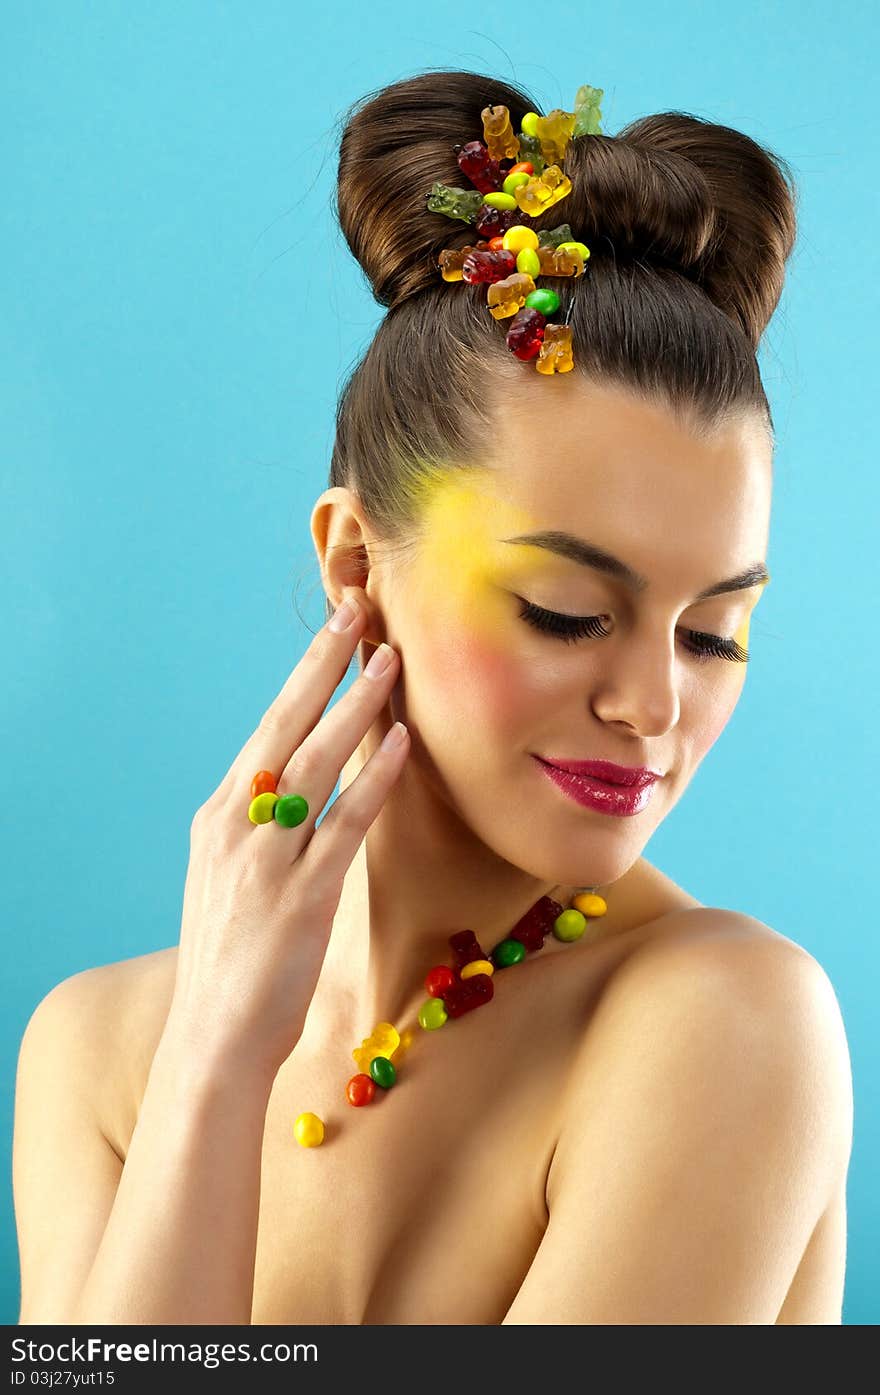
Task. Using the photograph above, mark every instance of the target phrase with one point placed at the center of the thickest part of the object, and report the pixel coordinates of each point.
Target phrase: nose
(636, 684)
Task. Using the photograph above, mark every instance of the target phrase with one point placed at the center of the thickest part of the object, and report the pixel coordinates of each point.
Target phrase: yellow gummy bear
(555, 355)
(554, 132)
(509, 295)
(382, 1041)
(542, 191)
(500, 138)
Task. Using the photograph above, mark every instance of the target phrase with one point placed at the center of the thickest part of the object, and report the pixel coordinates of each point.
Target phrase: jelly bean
(432, 1014)
(524, 167)
(477, 966)
(573, 246)
(529, 123)
(589, 904)
(500, 200)
(262, 809)
(518, 237)
(439, 979)
(308, 1130)
(263, 783)
(545, 300)
(569, 926)
(360, 1089)
(528, 262)
(509, 952)
(383, 1072)
(513, 181)
(496, 244)
(290, 810)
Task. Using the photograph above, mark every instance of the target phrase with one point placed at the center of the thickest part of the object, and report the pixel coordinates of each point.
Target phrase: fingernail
(394, 736)
(380, 660)
(343, 617)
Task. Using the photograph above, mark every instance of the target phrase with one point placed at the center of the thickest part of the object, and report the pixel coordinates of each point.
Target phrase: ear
(342, 539)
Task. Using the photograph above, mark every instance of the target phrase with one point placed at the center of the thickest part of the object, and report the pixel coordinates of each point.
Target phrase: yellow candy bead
(477, 966)
(500, 200)
(308, 1130)
(262, 809)
(589, 904)
(529, 123)
(528, 262)
(518, 237)
(574, 247)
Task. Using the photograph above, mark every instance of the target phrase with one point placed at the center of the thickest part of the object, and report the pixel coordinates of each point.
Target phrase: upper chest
(426, 1206)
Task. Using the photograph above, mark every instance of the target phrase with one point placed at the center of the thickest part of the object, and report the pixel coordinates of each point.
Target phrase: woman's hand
(259, 899)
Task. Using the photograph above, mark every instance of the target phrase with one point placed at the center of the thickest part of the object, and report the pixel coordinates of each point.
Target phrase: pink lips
(606, 770)
(607, 796)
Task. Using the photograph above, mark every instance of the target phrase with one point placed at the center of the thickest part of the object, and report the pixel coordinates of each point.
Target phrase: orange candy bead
(360, 1089)
(524, 167)
(263, 783)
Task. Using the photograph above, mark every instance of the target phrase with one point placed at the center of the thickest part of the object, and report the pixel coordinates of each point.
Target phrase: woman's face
(485, 692)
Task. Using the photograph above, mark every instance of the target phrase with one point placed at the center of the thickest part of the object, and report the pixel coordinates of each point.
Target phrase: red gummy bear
(491, 266)
(475, 162)
(531, 929)
(468, 994)
(465, 948)
(494, 222)
(526, 333)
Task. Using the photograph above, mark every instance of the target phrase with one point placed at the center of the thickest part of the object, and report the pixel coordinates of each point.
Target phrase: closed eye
(573, 627)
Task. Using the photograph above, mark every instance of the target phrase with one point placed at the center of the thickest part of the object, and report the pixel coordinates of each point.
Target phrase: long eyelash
(573, 627)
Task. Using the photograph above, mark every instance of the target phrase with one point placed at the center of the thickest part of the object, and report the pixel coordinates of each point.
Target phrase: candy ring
(267, 805)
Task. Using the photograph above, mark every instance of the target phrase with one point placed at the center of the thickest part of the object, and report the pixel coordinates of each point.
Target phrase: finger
(296, 709)
(315, 765)
(332, 847)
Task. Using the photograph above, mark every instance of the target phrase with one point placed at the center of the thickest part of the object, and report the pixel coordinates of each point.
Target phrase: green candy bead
(513, 181)
(508, 952)
(290, 810)
(383, 1071)
(528, 261)
(500, 200)
(261, 809)
(543, 299)
(432, 1014)
(569, 926)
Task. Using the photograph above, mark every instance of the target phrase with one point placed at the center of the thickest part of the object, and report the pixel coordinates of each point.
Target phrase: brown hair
(689, 225)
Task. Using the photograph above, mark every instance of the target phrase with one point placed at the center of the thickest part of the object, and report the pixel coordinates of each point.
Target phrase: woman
(650, 1120)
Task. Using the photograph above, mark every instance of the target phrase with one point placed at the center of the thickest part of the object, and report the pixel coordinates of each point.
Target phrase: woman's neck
(419, 876)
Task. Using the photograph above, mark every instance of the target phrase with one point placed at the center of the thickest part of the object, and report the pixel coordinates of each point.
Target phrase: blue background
(178, 312)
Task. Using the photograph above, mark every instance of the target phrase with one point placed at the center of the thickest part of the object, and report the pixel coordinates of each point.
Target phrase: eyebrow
(589, 555)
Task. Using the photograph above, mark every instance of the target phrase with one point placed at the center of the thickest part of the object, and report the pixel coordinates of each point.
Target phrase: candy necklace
(453, 990)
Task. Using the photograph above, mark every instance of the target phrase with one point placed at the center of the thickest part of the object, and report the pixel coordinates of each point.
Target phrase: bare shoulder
(745, 992)
(110, 1018)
